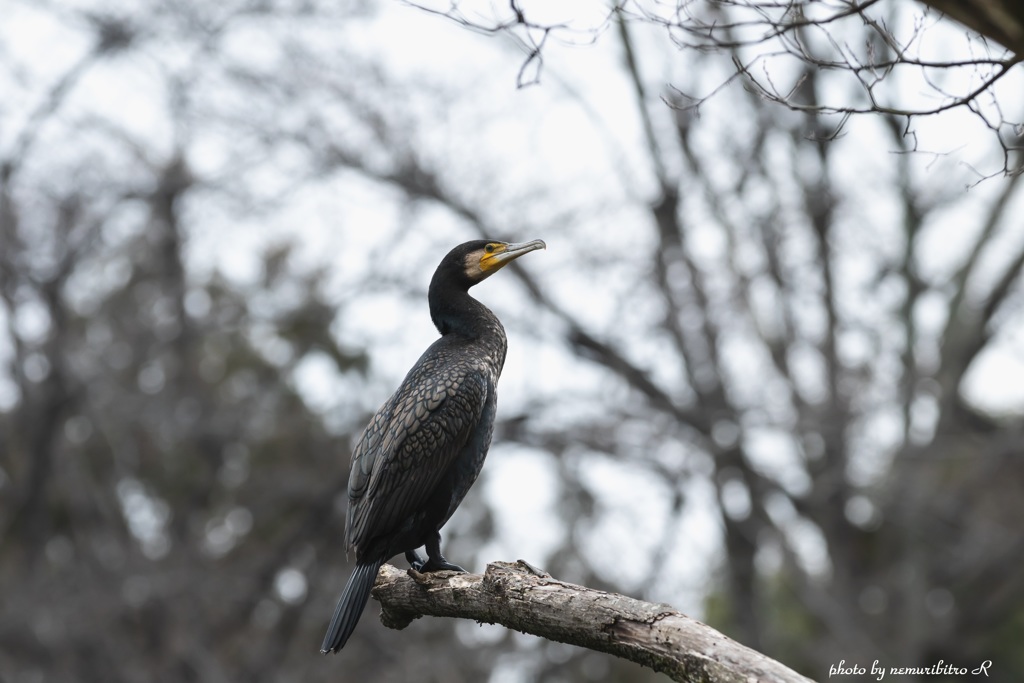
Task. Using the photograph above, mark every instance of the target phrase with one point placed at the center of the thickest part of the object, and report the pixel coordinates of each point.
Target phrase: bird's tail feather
(350, 606)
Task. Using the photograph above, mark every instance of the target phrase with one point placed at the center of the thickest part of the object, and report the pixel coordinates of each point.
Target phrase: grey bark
(523, 598)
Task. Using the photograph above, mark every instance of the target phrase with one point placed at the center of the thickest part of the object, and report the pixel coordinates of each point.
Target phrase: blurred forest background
(764, 372)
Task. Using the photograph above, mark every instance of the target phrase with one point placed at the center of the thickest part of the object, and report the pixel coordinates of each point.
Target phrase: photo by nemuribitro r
(424, 448)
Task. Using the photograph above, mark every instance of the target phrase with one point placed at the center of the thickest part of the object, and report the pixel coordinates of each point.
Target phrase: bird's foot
(438, 563)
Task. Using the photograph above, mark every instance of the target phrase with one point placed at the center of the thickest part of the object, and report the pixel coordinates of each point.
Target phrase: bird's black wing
(408, 446)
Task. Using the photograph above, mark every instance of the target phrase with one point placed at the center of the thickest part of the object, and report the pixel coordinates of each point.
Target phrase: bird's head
(473, 262)
(464, 266)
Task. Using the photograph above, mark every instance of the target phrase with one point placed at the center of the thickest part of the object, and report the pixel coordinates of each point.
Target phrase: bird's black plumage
(424, 448)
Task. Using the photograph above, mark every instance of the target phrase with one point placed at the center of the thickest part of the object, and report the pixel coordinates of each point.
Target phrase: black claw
(438, 563)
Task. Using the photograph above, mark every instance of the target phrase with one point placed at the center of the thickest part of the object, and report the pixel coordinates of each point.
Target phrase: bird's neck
(454, 311)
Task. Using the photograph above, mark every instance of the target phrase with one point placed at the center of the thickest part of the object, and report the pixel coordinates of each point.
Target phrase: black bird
(424, 448)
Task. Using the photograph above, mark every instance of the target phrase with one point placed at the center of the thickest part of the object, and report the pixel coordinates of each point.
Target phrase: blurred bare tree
(168, 497)
(872, 49)
(810, 356)
(754, 321)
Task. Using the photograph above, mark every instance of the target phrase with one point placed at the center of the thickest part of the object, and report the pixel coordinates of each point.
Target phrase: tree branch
(520, 597)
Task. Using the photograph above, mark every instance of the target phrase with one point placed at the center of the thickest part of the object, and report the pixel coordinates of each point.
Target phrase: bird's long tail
(350, 606)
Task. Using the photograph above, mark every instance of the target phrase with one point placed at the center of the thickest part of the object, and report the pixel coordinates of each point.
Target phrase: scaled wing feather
(408, 446)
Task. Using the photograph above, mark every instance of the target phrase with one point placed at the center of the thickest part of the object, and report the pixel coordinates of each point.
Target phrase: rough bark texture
(520, 597)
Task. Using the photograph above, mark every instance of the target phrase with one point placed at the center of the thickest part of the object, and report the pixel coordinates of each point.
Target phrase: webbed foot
(437, 563)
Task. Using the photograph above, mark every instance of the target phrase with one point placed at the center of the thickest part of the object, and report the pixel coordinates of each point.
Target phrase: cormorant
(424, 448)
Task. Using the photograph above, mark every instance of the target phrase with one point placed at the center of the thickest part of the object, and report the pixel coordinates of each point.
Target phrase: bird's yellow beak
(504, 253)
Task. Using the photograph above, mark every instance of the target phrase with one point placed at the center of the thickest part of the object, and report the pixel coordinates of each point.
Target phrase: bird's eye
(489, 248)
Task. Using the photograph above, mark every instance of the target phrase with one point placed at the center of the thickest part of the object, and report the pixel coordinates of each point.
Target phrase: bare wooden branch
(523, 598)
